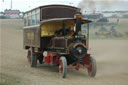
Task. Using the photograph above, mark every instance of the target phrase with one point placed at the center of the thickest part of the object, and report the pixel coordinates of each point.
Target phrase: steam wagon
(53, 34)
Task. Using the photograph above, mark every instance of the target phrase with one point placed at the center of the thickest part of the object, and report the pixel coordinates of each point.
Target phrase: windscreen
(58, 12)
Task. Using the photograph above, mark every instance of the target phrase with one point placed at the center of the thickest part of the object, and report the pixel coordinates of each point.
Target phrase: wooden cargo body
(34, 31)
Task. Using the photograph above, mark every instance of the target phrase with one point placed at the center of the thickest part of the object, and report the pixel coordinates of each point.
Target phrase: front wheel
(92, 67)
(63, 66)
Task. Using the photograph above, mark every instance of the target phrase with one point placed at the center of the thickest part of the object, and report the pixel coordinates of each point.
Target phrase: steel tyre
(63, 66)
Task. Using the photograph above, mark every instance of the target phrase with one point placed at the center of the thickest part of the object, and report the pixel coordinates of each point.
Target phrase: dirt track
(111, 56)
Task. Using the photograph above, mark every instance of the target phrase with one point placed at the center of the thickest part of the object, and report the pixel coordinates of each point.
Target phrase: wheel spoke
(90, 67)
(61, 67)
(29, 57)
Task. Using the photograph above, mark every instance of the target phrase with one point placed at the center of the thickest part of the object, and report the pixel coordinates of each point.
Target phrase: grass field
(7, 79)
(12, 23)
(121, 27)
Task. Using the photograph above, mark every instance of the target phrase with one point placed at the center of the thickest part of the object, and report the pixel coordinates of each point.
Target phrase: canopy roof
(50, 26)
(84, 21)
(52, 5)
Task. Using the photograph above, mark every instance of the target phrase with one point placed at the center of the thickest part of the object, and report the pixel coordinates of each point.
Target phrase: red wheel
(92, 67)
(29, 57)
(32, 58)
(63, 66)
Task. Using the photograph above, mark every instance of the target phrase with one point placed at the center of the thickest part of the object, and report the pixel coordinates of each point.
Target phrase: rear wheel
(40, 58)
(63, 66)
(92, 67)
(32, 58)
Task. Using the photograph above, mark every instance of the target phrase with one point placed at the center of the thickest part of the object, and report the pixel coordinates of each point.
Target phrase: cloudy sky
(25, 5)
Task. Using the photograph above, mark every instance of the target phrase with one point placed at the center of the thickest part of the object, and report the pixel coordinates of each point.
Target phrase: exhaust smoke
(93, 4)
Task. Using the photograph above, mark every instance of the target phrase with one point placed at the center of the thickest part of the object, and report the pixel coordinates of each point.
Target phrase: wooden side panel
(61, 42)
(45, 42)
(31, 37)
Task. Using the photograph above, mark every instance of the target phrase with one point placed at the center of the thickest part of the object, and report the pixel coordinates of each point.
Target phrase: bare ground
(111, 57)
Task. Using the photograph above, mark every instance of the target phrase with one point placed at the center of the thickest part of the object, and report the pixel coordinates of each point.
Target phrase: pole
(11, 4)
(88, 36)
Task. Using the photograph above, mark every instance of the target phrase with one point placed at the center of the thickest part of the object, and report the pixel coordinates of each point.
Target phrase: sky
(25, 5)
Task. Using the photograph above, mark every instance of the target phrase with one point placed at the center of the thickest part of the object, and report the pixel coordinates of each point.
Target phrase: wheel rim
(90, 69)
(60, 67)
(29, 57)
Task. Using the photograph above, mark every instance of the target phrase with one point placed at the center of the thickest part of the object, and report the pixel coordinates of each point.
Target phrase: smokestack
(78, 17)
